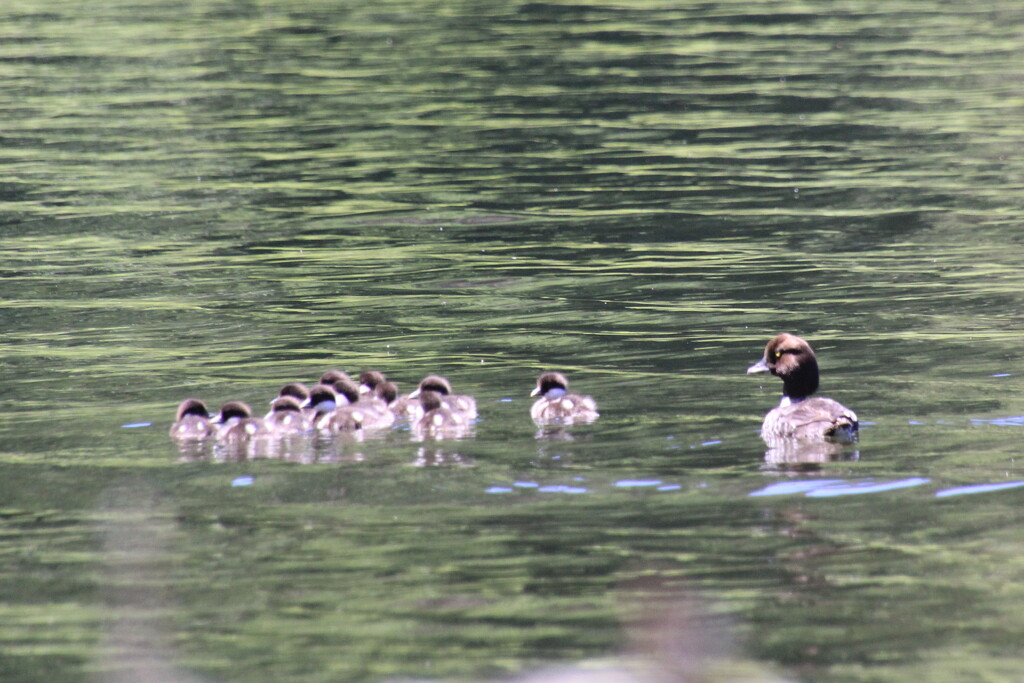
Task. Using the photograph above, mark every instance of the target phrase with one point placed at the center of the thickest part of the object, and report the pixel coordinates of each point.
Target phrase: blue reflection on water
(827, 488)
(136, 425)
(561, 488)
(790, 487)
(977, 488)
(1017, 421)
(633, 483)
(243, 481)
(866, 487)
(656, 484)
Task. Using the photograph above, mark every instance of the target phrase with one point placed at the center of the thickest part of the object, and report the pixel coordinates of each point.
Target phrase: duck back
(566, 408)
(815, 418)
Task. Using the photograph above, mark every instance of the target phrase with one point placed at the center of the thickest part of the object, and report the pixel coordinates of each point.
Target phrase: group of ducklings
(338, 404)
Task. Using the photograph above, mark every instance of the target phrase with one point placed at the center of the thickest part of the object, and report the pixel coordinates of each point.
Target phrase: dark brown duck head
(296, 390)
(433, 383)
(551, 382)
(285, 404)
(234, 410)
(192, 406)
(387, 391)
(430, 400)
(332, 376)
(348, 390)
(792, 360)
(322, 399)
(370, 379)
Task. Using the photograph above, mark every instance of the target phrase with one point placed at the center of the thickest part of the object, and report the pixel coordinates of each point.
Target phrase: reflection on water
(213, 198)
(789, 453)
(440, 456)
(977, 488)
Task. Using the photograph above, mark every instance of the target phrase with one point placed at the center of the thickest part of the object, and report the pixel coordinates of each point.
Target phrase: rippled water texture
(211, 198)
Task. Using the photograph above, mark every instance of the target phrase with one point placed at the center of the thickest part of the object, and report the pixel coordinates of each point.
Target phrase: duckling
(322, 401)
(407, 407)
(370, 379)
(193, 421)
(348, 392)
(376, 396)
(332, 376)
(801, 415)
(368, 383)
(388, 392)
(297, 390)
(367, 411)
(342, 420)
(557, 405)
(345, 413)
(439, 420)
(462, 404)
(237, 423)
(286, 417)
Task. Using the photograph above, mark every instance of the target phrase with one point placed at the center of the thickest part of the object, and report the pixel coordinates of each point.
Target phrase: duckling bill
(800, 414)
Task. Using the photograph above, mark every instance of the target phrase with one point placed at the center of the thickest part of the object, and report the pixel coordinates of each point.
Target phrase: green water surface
(213, 197)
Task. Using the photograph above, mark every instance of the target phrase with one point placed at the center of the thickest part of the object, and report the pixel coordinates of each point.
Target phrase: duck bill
(758, 368)
(536, 390)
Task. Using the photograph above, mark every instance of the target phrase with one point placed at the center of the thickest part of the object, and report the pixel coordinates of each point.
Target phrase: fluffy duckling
(342, 420)
(439, 420)
(193, 421)
(286, 417)
(376, 396)
(801, 415)
(322, 401)
(557, 405)
(348, 392)
(236, 423)
(296, 390)
(366, 410)
(387, 392)
(370, 379)
(332, 376)
(462, 404)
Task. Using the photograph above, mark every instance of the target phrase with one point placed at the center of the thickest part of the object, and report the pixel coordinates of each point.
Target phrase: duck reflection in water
(440, 456)
(803, 428)
(805, 456)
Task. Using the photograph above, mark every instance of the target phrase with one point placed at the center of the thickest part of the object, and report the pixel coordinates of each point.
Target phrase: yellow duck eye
(778, 354)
